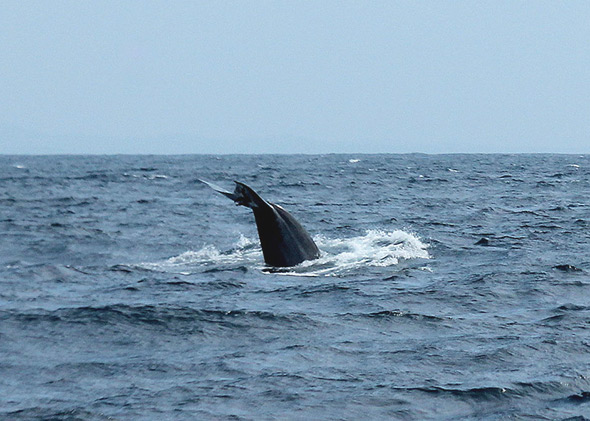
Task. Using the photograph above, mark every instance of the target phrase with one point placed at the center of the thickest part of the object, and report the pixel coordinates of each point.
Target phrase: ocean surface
(449, 287)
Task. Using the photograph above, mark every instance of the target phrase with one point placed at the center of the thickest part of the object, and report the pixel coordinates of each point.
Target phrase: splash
(206, 258)
(375, 248)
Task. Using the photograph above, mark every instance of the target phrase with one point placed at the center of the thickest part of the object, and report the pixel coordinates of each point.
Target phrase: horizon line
(287, 153)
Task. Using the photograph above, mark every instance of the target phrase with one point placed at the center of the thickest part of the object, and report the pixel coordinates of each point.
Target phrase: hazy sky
(294, 76)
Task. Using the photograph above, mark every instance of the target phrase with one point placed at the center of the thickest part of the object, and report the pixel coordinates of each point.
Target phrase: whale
(283, 239)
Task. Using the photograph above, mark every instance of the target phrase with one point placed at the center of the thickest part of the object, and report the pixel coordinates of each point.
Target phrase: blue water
(449, 287)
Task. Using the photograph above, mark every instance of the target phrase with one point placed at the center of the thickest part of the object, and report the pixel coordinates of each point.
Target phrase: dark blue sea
(449, 287)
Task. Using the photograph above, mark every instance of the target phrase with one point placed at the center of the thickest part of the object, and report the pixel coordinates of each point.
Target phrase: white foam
(147, 177)
(244, 242)
(207, 254)
(375, 248)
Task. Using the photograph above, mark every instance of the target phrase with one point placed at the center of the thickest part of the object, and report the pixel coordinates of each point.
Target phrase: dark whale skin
(283, 239)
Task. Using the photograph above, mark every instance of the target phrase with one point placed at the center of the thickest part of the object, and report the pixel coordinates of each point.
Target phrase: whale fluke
(283, 240)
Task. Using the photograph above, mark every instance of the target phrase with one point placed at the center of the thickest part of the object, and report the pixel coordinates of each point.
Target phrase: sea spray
(374, 248)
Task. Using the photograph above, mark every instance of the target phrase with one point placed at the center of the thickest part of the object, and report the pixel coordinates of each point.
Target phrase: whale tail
(283, 240)
(242, 195)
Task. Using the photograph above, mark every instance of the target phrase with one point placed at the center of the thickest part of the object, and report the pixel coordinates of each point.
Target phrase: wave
(168, 318)
(46, 413)
(388, 314)
(478, 393)
(375, 248)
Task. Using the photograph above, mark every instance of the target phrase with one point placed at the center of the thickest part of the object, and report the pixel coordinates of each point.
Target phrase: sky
(173, 77)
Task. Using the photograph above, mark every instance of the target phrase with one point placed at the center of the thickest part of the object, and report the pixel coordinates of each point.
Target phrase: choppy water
(449, 287)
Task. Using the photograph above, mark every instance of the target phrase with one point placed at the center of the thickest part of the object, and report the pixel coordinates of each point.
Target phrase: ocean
(449, 287)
